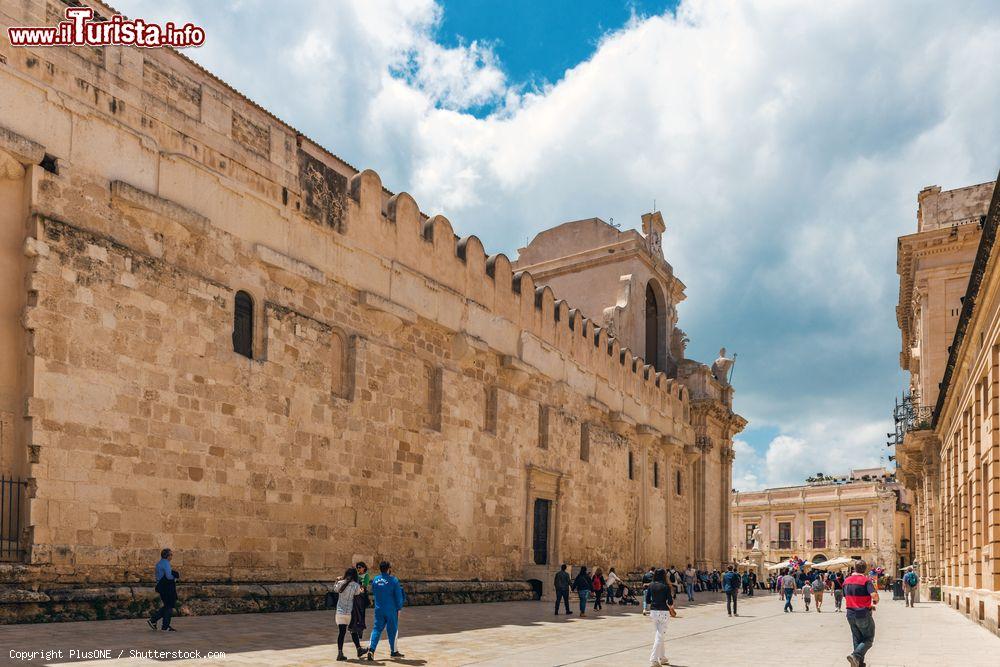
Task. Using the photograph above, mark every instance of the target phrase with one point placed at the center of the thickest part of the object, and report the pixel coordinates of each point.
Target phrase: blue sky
(536, 42)
(784, 142)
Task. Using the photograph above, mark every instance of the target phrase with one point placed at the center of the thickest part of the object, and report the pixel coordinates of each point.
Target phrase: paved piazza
(526, 633)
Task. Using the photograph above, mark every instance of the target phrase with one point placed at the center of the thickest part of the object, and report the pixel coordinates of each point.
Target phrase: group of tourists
(352, 600)
(350, 597)
(595, 588)
(810, 585)
(588, 585)
(856, 593)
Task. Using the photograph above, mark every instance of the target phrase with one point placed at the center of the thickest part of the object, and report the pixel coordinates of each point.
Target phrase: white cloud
(456, 78)
(746, 467)
(808, 449)
(785, 143)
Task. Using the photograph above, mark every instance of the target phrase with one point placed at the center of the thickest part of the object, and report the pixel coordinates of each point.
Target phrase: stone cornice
(24, 150)
(844, 504)
(915, 246)
(731, 422)
(632, 246)
(912, 453)
(984, 270)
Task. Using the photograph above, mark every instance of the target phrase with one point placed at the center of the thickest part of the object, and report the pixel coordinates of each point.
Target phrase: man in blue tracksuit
(389, 599)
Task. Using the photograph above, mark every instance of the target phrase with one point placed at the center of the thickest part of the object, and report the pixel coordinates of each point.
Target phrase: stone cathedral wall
(403, 382)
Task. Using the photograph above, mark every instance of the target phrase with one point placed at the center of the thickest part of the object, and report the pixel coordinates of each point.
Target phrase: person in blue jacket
(731, 586)
(389, 599)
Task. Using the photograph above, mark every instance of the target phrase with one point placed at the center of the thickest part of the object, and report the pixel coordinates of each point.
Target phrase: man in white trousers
(661, 607)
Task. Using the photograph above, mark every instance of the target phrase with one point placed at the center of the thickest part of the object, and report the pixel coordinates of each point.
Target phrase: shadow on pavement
(245, 633)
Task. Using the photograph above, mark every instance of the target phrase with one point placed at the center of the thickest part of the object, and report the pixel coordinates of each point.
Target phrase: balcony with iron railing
(782, 545)
(817, 543)
(904, 544)
(910, 415)
(913, 427)
(855, 543)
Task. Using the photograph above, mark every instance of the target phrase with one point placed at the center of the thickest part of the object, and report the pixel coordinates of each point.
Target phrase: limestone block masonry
(401, 394)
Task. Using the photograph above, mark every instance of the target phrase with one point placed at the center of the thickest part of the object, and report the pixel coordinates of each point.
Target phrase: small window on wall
(656, 474)
(540, 535)
(243, 325)
(679, 487)
(631, 466)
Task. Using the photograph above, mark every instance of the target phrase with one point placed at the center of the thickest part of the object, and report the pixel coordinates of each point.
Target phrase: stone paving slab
(526, 633)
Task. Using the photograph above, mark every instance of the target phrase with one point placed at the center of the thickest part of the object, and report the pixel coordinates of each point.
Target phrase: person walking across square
(837, 584)
(166, 586)
(561, 585)
(861, 599)
(583, 585)
(731, 587)
(389, 600)
(818, 589)
(347, 589)
(690, 577)
(661, 608)
(647, 579)
(788, 590)
(614, 581)
(910, 582)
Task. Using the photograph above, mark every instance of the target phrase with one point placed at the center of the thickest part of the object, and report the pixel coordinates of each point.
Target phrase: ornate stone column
(646, 436)
(728, 456)
(691, 455)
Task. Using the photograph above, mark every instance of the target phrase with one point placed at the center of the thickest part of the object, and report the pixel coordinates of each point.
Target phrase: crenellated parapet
(307, 208)
(548, 331)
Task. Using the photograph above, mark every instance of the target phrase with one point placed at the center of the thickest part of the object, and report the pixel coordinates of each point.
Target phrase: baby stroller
(628, 597)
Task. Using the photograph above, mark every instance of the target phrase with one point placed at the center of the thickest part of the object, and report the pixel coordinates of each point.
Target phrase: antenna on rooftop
(654, 204)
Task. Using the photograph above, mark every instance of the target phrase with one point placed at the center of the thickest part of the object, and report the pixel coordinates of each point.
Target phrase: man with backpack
(910, 582)
(731, 586)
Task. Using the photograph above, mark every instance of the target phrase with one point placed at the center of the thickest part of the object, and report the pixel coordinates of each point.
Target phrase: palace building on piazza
(864, 515)
(948, 443)
(217, 336)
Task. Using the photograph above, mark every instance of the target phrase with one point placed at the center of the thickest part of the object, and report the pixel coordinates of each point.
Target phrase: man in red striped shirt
(860, 598)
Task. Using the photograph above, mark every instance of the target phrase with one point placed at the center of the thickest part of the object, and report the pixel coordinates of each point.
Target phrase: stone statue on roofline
(678, 344)
(721, 366)
(653, 228)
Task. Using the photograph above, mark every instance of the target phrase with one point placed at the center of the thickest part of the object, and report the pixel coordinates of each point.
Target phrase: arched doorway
(819, 558)
(655, 327)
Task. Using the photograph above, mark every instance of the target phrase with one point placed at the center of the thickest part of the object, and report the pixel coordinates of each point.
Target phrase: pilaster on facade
(715, 424)
(950, 326)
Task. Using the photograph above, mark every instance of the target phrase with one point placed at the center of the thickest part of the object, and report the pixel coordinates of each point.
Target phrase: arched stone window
(338, 357)
(656, 318)
(243, 325)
